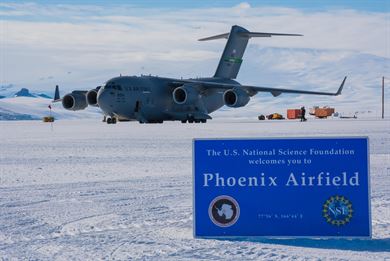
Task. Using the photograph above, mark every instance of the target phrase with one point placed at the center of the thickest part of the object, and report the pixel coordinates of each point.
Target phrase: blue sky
(361, 5)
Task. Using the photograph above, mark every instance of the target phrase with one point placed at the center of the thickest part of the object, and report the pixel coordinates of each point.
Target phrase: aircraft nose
(103, 100)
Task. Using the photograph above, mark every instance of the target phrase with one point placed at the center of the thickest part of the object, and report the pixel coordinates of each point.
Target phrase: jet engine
(92, 97)
(75, 101)
(236, 98)
(185, 94)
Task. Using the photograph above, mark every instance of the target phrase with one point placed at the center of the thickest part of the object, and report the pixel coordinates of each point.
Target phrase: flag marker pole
(51, 122)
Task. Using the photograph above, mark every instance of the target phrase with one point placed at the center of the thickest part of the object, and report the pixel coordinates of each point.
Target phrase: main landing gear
(157, 121)
(194, 120)
(111, 120)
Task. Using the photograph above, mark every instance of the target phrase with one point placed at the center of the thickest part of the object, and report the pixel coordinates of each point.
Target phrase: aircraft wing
(252, 90)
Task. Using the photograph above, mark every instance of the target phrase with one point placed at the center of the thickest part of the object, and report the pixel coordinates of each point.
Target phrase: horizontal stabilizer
(246, 35)
(219, 36)
(237, 40)
(257, 34)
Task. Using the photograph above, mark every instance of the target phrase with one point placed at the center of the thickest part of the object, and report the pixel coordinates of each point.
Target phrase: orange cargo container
(324, 112)
(293, 114)
(321, 113)
(330, 111)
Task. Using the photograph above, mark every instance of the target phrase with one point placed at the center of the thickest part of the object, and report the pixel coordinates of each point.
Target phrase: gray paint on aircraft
(156, 99)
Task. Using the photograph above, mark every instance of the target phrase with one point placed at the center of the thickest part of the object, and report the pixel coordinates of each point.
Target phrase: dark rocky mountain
(24, 92)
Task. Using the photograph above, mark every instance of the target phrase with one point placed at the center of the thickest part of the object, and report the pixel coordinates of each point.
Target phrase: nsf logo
(224, 211)
(337, 210)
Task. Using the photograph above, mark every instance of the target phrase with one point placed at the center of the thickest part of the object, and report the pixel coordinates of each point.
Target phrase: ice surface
(86, 190)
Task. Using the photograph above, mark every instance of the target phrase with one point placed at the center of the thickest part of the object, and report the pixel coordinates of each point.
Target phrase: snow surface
(84, 190)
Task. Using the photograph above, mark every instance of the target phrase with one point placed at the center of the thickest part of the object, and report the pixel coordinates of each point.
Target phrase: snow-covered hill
(34, 108)
(311, 69)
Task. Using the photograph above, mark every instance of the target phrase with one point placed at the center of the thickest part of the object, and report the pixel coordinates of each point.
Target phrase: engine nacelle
(74, 101)
(236, 98)
(185, 94)
(92, 97)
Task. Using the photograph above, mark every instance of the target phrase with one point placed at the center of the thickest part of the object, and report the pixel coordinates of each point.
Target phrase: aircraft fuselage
(150, 99)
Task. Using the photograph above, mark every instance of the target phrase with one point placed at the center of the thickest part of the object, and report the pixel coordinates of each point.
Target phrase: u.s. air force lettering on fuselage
(290, 180)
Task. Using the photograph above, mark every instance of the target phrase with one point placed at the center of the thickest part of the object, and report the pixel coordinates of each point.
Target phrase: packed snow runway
(86, 190)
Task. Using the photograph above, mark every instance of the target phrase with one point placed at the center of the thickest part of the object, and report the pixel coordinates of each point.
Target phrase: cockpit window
(108, 86)
(117, 87)
(114, 86)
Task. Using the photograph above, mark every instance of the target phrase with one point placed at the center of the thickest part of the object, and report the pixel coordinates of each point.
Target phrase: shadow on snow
(371, 245)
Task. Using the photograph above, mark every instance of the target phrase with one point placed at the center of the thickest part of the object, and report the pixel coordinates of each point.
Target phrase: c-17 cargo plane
(152, 99)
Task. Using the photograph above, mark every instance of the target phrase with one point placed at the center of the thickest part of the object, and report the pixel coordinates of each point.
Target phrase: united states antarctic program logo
(224, 211)
(337, 210)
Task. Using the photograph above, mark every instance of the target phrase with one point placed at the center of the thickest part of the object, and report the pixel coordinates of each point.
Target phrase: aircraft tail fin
(230, 62)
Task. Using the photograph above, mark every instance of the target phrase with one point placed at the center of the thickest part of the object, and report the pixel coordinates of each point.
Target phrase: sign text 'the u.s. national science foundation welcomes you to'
(316, 187)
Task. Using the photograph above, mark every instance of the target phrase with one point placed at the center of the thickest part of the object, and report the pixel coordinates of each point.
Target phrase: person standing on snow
(303, 112)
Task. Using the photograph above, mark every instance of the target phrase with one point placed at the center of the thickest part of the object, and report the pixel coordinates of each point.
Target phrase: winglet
(341, 87)
(57, 94)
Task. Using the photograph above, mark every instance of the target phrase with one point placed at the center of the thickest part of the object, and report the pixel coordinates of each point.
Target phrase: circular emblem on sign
(337, 210)
(224, 211)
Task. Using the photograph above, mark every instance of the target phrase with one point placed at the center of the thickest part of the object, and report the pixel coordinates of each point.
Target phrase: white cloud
(243, 5)
(96, 42)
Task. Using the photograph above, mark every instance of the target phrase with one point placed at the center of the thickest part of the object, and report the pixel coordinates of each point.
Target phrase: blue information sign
(298, 187)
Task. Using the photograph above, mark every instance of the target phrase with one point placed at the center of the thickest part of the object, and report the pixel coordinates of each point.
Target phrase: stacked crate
(293, 114)
(324, 112)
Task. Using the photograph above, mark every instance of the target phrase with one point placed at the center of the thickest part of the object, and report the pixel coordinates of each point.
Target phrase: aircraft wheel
(109, 120)
(190, 121)
(113, 121)
(197, 121)
(183, 121)
(203, 120)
